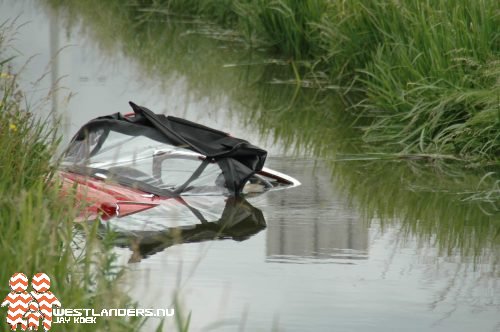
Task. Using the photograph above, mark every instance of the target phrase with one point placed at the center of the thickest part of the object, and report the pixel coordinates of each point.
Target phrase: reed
(429, 72)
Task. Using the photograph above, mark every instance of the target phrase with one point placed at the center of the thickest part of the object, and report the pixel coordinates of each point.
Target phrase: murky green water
(362, 245)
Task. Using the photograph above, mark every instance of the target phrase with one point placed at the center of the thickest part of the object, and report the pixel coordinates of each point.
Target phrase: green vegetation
(423, 75)
(36, 221)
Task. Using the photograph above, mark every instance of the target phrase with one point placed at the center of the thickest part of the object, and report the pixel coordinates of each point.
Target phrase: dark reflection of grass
(160, 46)
(437, 201)
(426, 201)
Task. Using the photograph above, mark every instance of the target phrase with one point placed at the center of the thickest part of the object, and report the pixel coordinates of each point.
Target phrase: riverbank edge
(38, 232)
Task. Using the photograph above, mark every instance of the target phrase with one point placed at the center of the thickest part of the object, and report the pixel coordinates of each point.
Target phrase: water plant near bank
(36, 222)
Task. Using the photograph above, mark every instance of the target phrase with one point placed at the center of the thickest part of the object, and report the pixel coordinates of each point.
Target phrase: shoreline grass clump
(431, 79)
(424, 76)
(36, 219)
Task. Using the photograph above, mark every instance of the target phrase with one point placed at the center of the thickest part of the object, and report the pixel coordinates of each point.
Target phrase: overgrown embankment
(426, 74)
(36, 221)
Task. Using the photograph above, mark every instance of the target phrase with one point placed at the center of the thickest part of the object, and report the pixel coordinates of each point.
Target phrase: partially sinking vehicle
(145, 174)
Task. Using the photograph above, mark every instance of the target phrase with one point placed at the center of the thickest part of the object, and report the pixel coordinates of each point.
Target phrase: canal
(368, 242)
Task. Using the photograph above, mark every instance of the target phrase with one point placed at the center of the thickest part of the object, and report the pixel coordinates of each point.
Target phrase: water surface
(362, 245)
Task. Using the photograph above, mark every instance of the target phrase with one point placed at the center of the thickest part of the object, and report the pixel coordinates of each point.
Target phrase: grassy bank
(424, 74)
(36, 221)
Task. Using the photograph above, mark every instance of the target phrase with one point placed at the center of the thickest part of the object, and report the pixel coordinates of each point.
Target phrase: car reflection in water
(199, 219)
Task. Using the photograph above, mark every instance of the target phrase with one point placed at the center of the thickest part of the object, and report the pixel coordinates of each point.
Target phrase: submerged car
(144, 173)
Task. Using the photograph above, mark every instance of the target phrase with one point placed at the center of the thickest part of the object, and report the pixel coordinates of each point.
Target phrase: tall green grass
(429, 70)
(36, 220)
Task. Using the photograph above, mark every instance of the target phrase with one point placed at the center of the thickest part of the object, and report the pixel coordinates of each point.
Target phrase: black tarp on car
(237, 159)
